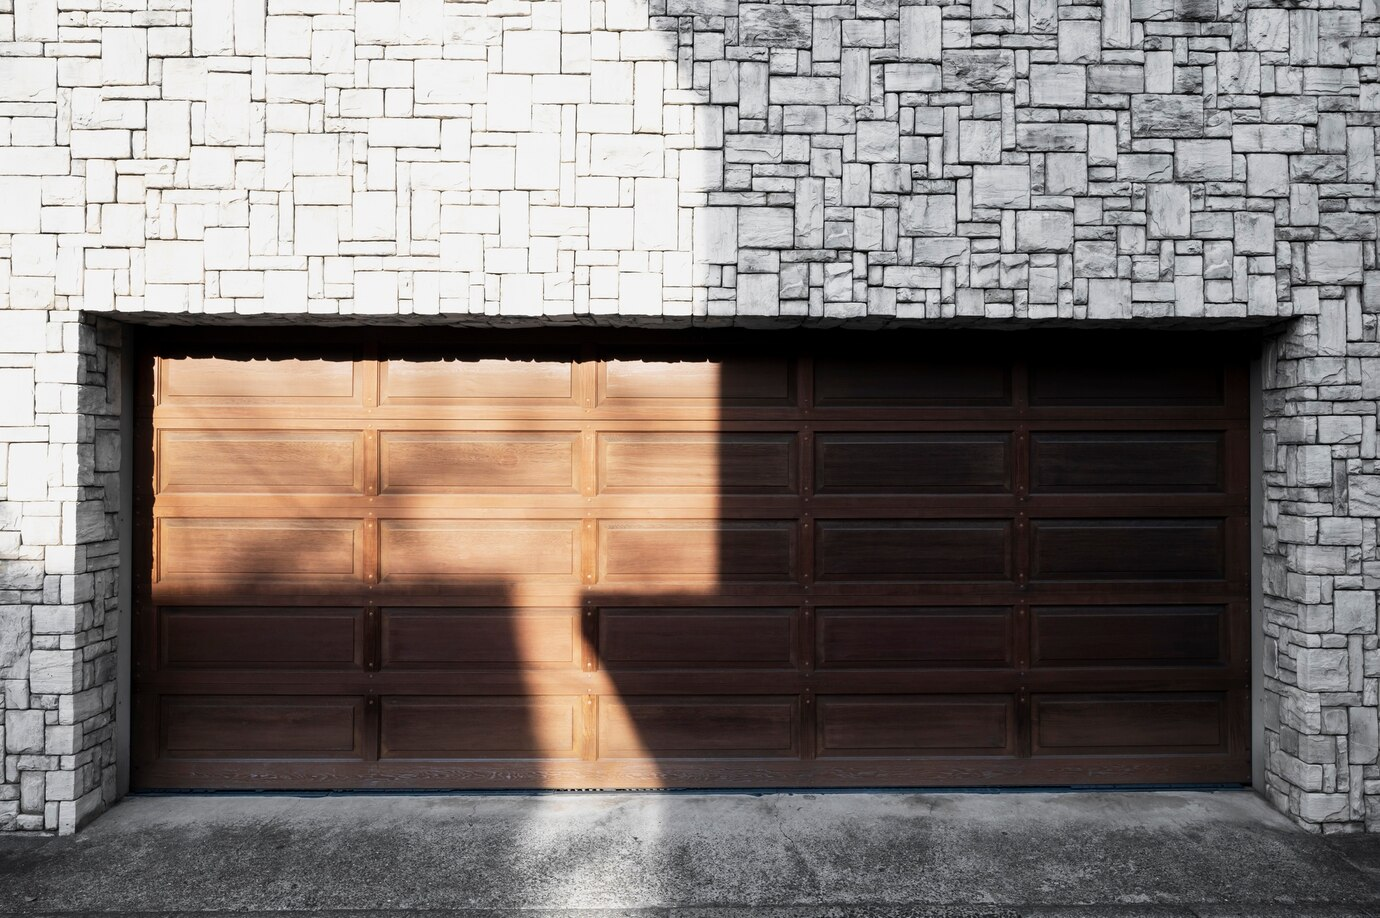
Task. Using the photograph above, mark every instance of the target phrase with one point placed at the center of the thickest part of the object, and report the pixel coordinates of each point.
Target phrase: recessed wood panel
(1111, 636)
(261, 726)
(912, 463)
(260, 462)
(901, 637)
(330, 550)
(1132, 549)
(706, 727)
(713, 381)
(482, 381)
(480, 727)
(669, 637)
(703, 551)
(1143, 382)
(726, 463)
(910, 725)
(478, 638)
(442, 550)
(915, 550)
(442, 462)
(926, 380)
(263, 382)
(1130, 724)
(233, 637)
(1128, 462)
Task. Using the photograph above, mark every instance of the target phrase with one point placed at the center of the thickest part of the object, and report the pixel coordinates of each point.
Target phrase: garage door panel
(259, 382)
(697, 638)
(1131, 635)
(913, 381)
(260, 462)
(688, 559)
(1128, 462)
(231, 637)
(913, 463)
(691, 381)
(261, 726)
(481, 727)
(462, 382)
(917, 725)
(1146, 549)
(703, 551)
(1183, 723)
(1097, 383)
(442, 462)
(689, 727)
(466, 550)
(480, 638)
(914, 638)
(709, 463)
(913, 550)
(281, 550)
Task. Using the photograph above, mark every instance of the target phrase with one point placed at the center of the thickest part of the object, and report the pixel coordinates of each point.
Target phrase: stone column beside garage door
(1008, 162)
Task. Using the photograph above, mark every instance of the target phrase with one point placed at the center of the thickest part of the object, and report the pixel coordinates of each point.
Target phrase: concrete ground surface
(1222, 854)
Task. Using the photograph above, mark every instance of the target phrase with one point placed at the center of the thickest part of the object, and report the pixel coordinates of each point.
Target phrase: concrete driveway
(808, 855)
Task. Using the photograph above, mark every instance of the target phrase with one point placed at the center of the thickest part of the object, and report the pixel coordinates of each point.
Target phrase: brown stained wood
(912, 550)
(478, 463)
(261, 637)
(458, 550)
(699, 727)
(260, 462)
(226, 727)
(1186, 723)
(1129, 636)
(517, 560)
(706, 639)
(1134, 549)
(481, 727)
(697, 551)
(480, 638)
(483, 380)
(711, 463)
(901, 725)
(911, 638)
(1099, 462)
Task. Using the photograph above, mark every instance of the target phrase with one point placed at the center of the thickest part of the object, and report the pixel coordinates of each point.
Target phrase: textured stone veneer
(712, 161)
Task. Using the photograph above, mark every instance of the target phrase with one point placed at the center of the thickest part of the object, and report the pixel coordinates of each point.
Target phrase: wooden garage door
(691, 560)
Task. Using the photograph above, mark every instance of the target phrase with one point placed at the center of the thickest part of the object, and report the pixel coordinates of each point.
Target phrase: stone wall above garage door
(688, 161)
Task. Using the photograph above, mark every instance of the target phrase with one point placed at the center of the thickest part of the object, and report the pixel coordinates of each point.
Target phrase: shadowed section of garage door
(473, 560)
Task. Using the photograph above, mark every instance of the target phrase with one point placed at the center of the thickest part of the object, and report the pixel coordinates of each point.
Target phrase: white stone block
(655, 214)
(611, 228)
(169, 130)
(637, 155)
(316, 231)
(28, 473)
(921, 33)
(716, 234)
(124, 56)
(333, 51)
(532, 51)
(16, 409)
(377, 23)
(170, 262)
(23, 332)
(227, 248)
(375, 215)
(421, 22)
(538, 161)
(213, 27)
(1168, 211)
(404, 132)
(451, 82)
(122, 225)
(33, 256)
(35, 20)
(376, 293)
(229, 116)
(492, 168)
(508, 102)
(28, 79)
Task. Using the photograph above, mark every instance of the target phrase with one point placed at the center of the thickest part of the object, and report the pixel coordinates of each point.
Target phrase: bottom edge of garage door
(1016, 772)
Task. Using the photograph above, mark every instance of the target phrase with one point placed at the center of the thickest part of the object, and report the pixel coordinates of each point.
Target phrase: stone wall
(674, 161)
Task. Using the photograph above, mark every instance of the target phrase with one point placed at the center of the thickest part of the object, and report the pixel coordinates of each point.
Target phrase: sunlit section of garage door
(688, 560)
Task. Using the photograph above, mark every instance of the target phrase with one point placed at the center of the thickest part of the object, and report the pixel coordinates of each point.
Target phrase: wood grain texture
(613, 559)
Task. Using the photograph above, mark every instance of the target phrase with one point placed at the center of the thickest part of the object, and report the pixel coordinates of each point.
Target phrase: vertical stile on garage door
(848, 652)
